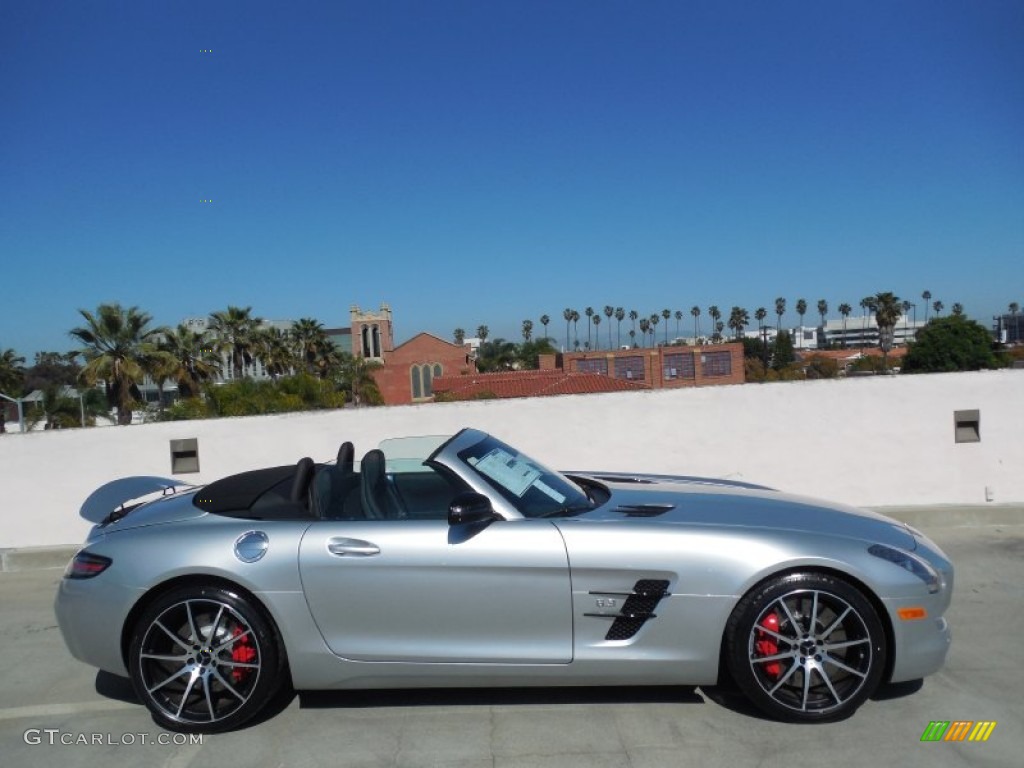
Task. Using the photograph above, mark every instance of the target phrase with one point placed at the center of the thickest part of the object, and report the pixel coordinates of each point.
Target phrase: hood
(681, 502)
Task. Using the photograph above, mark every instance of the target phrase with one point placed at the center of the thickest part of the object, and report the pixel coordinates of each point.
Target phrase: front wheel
(204, 660)
(806, 647)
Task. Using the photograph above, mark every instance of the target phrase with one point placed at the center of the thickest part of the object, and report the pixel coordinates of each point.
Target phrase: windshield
(533, 489)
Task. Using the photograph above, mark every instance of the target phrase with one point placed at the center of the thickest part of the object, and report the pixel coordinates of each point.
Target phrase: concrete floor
(44, 688)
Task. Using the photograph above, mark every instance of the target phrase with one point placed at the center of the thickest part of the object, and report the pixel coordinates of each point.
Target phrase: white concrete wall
(866, 441)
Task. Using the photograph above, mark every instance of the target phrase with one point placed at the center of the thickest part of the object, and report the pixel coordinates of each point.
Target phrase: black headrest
(346, 457)
(303, 475)
(372, 466)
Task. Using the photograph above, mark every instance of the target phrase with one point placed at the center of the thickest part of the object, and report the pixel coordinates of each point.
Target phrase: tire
(806, 647)
(204, 660)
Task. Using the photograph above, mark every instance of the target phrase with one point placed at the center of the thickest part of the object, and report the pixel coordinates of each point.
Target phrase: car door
(419, 590)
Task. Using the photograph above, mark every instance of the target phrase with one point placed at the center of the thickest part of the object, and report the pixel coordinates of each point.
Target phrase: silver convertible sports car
(459, 561)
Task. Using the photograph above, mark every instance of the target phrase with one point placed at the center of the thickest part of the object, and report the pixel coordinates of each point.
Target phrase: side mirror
(470, 508)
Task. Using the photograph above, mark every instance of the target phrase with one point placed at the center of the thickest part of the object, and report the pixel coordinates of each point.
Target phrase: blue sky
(486, 162)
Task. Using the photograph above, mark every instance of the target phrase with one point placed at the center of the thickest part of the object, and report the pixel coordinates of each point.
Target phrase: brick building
(659, 368)
(407, 372)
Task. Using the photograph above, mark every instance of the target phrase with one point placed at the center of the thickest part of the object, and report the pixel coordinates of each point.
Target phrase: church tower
(372, 335)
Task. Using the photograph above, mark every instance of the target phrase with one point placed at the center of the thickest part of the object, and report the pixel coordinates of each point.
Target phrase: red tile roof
(529, 384)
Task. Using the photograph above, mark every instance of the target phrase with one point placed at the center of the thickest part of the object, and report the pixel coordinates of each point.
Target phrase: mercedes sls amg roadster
(462, 562)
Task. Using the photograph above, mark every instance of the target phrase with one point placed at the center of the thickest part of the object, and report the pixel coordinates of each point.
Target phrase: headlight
(920, 568)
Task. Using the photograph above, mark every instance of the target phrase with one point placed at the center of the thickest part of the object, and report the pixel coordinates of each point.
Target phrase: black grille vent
(637, 610)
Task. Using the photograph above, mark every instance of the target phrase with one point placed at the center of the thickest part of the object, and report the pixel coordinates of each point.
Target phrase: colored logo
(958, 730)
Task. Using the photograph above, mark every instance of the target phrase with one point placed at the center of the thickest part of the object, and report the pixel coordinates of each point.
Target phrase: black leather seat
(300, 484)
(379, 502)
(337, 487)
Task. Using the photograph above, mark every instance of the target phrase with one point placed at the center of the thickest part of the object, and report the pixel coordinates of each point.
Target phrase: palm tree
(822, 310)
(277, 350)
(567, 314)
(906, 305)
(645, 326)
(780, 310)
(714, 314)
(589, 312)
(760, 314)
(719, 326)
(887, 309)
(927, 296)
(12, 373)
(192, 359)
(310, 341)
(958, 309)
(576, 328)
(738, 320)
(620, 315)
(801, 309)
(497, 355)
(867, 303)
(481, 333)
(527, 329)
(938, 306)
(633, 315)
(597, 325)
(235, 332)
(357, 380)
(460, 336)
(845, 310)
(678, 316)
(632, 338)
(544, 320)
(654, 327)
(609, 311)
(667, 314)
(1014, 308)
(119, 345)
(695, 311)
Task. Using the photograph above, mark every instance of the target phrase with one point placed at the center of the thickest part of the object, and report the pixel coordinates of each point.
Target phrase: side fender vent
(637, 610)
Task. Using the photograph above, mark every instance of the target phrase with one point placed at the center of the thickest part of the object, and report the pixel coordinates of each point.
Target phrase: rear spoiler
(108, 497)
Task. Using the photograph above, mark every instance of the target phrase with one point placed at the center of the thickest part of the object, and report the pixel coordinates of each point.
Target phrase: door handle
(350, 547)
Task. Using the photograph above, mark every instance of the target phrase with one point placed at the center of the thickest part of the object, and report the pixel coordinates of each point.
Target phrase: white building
(863, 332)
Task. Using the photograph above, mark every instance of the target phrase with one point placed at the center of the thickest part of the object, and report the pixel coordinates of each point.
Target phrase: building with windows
(863, 332)
(1009, 328)
(660, 367)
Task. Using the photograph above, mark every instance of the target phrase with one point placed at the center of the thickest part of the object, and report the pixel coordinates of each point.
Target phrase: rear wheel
(204, 659)
(806, 647)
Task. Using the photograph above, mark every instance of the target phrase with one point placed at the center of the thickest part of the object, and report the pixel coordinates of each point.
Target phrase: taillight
(85, 565)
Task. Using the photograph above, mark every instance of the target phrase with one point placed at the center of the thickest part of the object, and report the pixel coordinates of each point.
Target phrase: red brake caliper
(765, 645)
(242, 652)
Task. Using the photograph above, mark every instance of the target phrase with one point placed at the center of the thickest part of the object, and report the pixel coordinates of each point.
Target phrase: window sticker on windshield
(540, 485)
(517, 476)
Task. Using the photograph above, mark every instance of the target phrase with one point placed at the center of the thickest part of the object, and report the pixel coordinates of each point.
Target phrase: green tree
(951, 343)
(714, 313)
(12, 374)
(234, 332)
(528, 353)
(655, 319)
(801, 309)
(760, 314)
(938, 306)
(355, 377)
(310, 341)
(597, 327)
(460, 335)
(191, 359)
(567, 314)
(822, 310)
(278, 352)
(119, 344)
(496, 355)
(576, 328)
(620, 315)
(784, 355)
(888, 310)
(633, 315)
(867, 304)
(544, 320)
(739, 319)
(527, 329)
(958, 308)
(780, 310)
(695, 311)
(845, 310)
(482, 332)
(645, 326)
(609, 313)
(589, 312)
(927, 296)
(667, 315)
